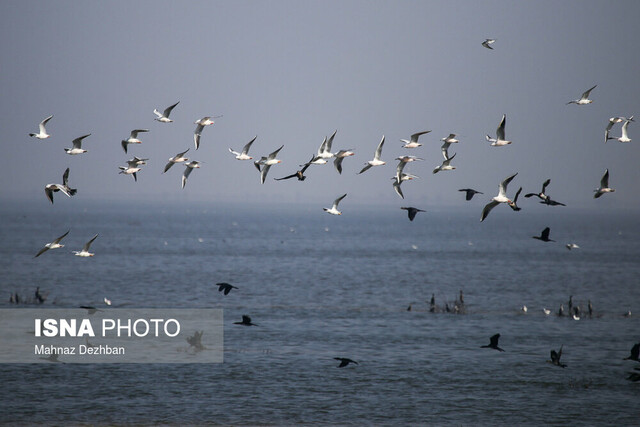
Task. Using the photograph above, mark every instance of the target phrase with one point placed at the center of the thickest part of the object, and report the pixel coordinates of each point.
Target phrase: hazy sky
(292, 72)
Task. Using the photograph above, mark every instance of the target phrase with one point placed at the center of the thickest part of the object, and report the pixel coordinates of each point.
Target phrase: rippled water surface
(321, 287)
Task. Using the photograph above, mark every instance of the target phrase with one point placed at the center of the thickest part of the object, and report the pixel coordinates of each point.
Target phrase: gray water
(321, 287)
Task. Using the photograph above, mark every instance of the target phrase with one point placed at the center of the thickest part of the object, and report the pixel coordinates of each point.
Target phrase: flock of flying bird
(321, 157)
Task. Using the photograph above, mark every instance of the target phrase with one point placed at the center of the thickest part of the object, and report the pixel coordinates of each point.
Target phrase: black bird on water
(411, 211)
(555, 358)
(246, 321)
(226, 287)
(635, 353)
(493, 343)
(344, 361)
(544, 236)
(470, 193)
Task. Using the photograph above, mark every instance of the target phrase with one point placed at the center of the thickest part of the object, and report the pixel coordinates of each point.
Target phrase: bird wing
(263, 173)
(544, 185)
(124, 144)
(61, 237)
(330, 141)
(585, 95)
(337, 163)
(86, 246)
(515, 199)
(337, 201)
(502, 188)
(43, 123)
(65, 177)
(168, 110)
(500, 130)
(545, 233)
(625, 135)
(415, 136)
(134, 133)
(293, 175)
(77, 143)
(49, 193)
(378, 152)
(245, 149)
(275, 153)
(604, 182)
(365, 168)
(322, 147)
(487, 208)
(396, 187)
(41, 251)
(196, 138)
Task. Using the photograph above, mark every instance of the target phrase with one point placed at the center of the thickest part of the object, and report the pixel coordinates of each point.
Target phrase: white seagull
(130, 170)
(193, 164)
(85, 249)
(500, 139)
(133, 138)
(164, 117)
(613, 121)
(488, 42)
(604, 185)
(625, 136)
(266, 163)
(205, 121)
(413, 143)
(571, 246)
(244, 155)
(178, 158)
(42, 134)
(49, 189)
(584, 99)
(500, 198)
(445, 166)
(324, 151)
(53, 245)
(339, 157)
(334, 208)
(77, 146)
(448, 140)
(376, 158)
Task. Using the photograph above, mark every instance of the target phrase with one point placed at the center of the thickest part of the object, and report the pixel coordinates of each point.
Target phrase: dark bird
(470, 193)
(514, 203)
(90, 309)
(635, 353)
(550, 202)
(226, 287)
(493, 343)
(590, 307)
(555, 358)
(299, 174)
(561, 310)
(246, 321)
(344, 361)
(411, 211)
(541, 195)
(196, 340)
(40, 298)
(544, 236)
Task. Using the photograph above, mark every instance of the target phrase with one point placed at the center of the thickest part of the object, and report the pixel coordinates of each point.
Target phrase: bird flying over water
(246, 321)
(298, 174)
(133, 138)
(604, 185)
(266, 163)
(470, 192)
(584, 99)
(77, 146)
(493, 343)
(193, 164)
(164, 116)
(53, 245)
(500, 198)
(412, 212)
(377, 161)
(205, 121)
(244, 155)
(555, 358)
(178, 158)
(635, 353)
(339, 157)
(225, 287)
(446, 163)
(85, 249)
(544, 235)
(42, 133)
(344, 361)
(49, 189)
(334, 208)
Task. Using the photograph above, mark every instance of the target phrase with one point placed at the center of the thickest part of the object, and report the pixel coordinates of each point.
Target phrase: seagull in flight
(571, 246)
(246, 321)
(205, 121)
(413, 142)
(493, 343)
(544, 235)
(411, 211)
(53, 245)
(555, 358)
(133, 138)
(42, 133)
(266, 163)
(470, 192)
(445, 166)
(376, 158)
(339, 157)
(334, 208)
(604, 185)
(499, 140)
(625, 136)
(488, 42)
(584, 99)
(164, 116)
(344, 361)
(49, 189)
(193, 164)
(613, 121)
(244, 155)
(500, 198)
(85, 249)
(77, 146)
(225, 287)
(178, 158)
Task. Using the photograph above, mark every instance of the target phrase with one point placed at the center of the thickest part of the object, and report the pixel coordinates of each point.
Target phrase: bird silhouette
(246, 321)
(493, 343)
(635, 353)
(411, 211)
(544, 236)
(226, 287)
(555, 358)
(344, 361)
